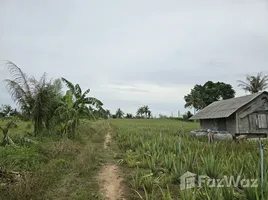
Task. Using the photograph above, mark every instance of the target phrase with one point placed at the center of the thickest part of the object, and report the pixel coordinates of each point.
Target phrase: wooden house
(241, 115)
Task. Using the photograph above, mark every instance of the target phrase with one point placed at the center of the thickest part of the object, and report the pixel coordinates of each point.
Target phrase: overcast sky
(131, 53)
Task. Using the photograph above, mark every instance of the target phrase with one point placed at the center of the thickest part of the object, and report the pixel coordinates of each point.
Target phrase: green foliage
(36, 99)
(156, 166)
(5, 127)
(119, 113)
(129, 116)
(42, 102)
(187, 115)
(144, 112)
(20, 158)
(55, 168)
(254, 84)
(203, 95)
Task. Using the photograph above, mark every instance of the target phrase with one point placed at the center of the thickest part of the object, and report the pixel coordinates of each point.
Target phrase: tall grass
(56, 168)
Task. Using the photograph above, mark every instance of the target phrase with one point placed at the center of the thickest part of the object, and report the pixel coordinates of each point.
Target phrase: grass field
(154, 164)
(55, 167)
(148, 153)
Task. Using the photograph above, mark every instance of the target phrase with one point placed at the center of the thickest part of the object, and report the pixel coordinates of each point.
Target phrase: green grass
(55, 168)
(153, 165)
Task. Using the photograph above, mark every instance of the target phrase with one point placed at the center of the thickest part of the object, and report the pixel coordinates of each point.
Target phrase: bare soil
(109, 179)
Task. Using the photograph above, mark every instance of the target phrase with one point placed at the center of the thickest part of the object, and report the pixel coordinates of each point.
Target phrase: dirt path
(109, 179)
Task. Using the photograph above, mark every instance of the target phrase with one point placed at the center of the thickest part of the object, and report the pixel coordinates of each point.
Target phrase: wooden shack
(242, 115)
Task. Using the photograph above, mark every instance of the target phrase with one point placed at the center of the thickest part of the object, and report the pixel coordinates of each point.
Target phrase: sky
(133, 53)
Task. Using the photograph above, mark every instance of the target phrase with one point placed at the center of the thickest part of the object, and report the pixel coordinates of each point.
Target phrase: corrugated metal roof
(224, 108)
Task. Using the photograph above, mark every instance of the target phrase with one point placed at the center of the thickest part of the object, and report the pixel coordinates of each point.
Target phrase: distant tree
(203, 95)
(144, 111)
(16, 113)
(119, 113)
(140, 112)
(254, 84)
(187, 115)
(6, 110)
(162, 116)
(129, 115)
(149, 114)
(108, 114)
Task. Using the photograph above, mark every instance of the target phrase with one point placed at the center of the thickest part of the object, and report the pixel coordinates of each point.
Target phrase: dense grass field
(54, 167)
(148, 153)
(154, 162)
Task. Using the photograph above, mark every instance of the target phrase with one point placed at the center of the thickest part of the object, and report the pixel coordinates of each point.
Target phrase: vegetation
(187, 115)
(254, 84)
(153, 161)
(43, 103)
(37, 161)
(144, 112)
(129, 116)
(52, 145)
(119, 113)
(53, 167)
(203, 95)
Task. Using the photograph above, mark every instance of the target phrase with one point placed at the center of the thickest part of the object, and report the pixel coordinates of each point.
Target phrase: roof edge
(194, 118)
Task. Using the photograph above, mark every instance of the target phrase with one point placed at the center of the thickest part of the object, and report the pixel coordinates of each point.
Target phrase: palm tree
(20, 89)
(146, 110)
(129, 115)
(107, 114)
(140, 111)
(194, 100)
(149, 114)
(119, 113)
(254, 84)
(35, 98)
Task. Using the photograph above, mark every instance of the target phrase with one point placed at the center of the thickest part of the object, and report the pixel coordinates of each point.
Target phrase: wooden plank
(237, 122)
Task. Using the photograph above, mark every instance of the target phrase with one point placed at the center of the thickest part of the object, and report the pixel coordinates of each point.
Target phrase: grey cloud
(131, 89)
(169, 43)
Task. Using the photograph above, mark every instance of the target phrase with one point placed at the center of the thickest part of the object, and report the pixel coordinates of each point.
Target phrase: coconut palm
(149, 114)
(119, 113)
(254, 84)
(146, 111)
(108, 114)
(140, 111)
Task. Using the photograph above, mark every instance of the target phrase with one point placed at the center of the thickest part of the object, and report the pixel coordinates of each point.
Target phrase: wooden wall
(248, 121)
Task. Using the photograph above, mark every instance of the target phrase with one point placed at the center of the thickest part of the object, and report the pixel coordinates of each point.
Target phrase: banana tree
(80, 98)
(75, 105)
